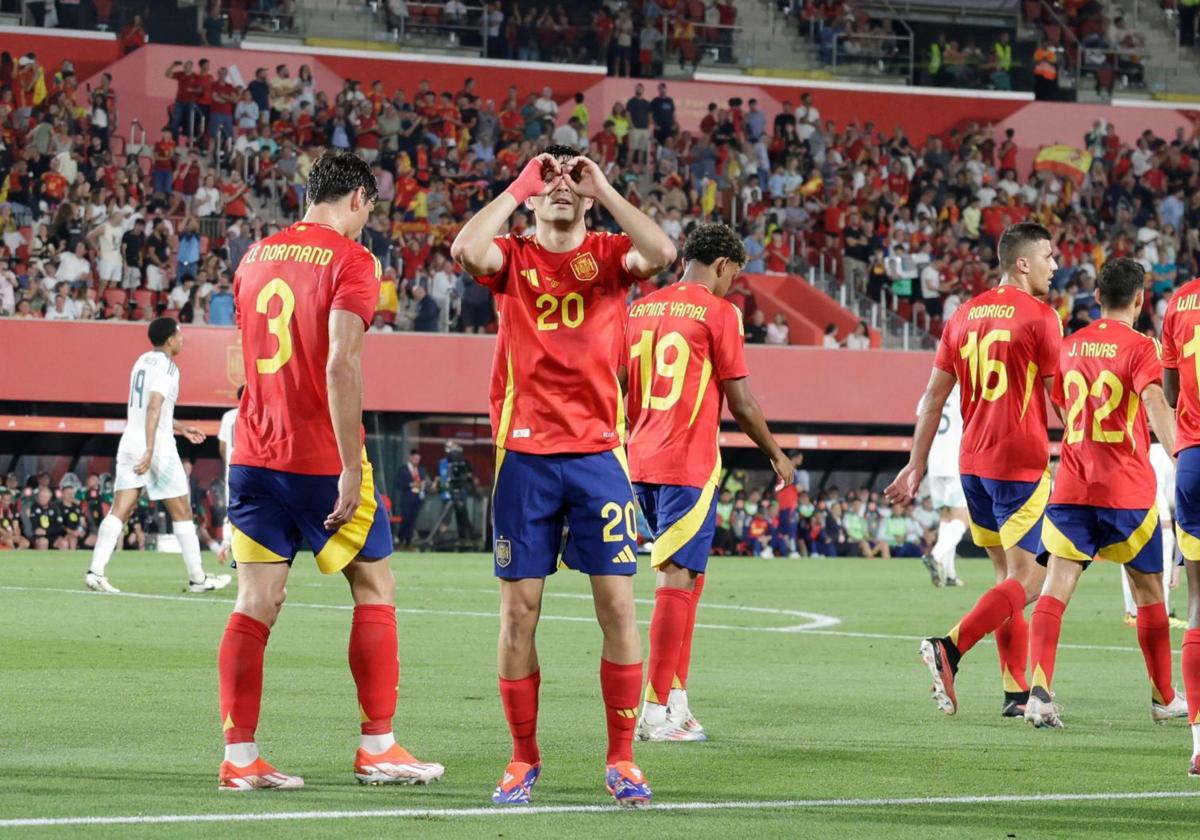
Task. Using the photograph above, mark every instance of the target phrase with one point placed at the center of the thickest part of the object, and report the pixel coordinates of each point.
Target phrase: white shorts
(164, 480)
(109, 271)
(946, 491)
(133, 277)
(154, 278)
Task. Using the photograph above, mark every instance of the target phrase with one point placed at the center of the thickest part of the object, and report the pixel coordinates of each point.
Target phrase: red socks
(685, 647)
(1012, 643)
(672, 608)
(375, 665)
(620, 685)
(1044, 632)
(240, 676)
(1191, 673)
(992, 609)
(520, 699)
(1154, 637)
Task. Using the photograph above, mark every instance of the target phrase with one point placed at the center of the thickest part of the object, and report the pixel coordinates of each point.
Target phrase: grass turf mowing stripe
(534, 810)
(798, 630)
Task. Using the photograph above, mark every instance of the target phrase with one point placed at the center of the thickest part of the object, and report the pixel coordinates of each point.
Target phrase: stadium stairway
(808, 310)
(1170, 69)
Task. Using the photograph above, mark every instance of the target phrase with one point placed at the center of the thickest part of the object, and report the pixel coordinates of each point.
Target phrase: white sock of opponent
(1168, 537)
(241, 755)
(107, 537)
(1130, 604)
(189, 544)
(950, 534)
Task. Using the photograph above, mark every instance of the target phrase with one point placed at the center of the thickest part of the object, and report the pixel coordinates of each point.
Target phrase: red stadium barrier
(432, 374)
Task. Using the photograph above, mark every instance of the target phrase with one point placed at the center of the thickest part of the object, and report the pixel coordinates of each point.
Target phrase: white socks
(376, 744)
(677, 699)
(107, 537)
(241, 755)
(655, 714)
(1196, 739)
(1130, 604)
(189, 544)
(950, 534)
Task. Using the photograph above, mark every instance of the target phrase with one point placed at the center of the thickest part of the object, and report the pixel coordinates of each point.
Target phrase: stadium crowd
(94, 226)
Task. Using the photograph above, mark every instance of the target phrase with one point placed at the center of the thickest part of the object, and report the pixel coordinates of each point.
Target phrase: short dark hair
(337, 174)
(161, 330)
(707, 243)
(1016, 238)
(1119, 282)
(561, 150)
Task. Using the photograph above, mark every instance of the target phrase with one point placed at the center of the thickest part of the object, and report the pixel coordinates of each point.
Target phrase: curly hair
(709, 242)
(336, 174)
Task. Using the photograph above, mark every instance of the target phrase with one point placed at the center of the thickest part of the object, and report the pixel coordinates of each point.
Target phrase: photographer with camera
(456, 481)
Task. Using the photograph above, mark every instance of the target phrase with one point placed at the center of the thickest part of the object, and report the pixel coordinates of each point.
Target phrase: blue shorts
(1128, 537)
(1187, 502)
(273, 513)
(683, 521)
(1006, 513)
(536, 495)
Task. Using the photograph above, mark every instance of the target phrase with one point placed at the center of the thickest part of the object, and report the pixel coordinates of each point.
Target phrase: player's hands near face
(784, 468)
(143, 463)
(904, 488)
(538, 177)
(193, 434)
(585, 177)
(349, 492)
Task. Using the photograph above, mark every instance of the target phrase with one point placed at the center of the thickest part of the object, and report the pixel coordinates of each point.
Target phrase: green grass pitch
(108, 707)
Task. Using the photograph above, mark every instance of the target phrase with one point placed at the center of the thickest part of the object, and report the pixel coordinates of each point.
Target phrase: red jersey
(228, 97)
(684, 342)
(562, 335)
(1000, 346)
(285, 288)
(1181, 343)
(1103, 370)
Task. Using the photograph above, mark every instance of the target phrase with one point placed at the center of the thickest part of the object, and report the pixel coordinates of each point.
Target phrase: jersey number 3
(277, 325)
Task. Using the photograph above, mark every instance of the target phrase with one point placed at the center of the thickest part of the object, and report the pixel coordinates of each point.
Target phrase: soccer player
(1103, 503)
(685, 356)
(147, 459)
(1181, 383)
(225, 436)
(558, 418)
(945, 488)
(299, 471)
(1002, 349)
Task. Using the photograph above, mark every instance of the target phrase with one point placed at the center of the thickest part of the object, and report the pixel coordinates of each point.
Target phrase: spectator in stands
(133, 35)
(830, 340)
(777, 330)
(756, 329)
(427, 315)
(860, 339)
(221, 306)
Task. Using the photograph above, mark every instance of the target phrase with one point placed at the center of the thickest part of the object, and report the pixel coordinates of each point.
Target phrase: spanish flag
(1063, 160)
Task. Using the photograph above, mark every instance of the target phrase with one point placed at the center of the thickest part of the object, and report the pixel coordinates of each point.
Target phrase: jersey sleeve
(1170, 352)
(1050, 343)
(1147, 366)
(496, 280)
(946, 352)
(729, 352)
(356, 284)
(619, 245)
(160, 378)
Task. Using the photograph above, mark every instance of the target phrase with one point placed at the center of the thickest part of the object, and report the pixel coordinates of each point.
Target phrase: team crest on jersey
(584, 267)
(503, 553)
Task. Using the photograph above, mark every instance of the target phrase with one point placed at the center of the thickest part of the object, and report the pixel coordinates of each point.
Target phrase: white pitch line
(818, 620)
(799, 630)
(534, 810)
